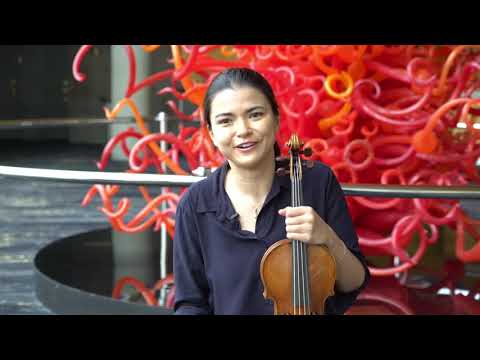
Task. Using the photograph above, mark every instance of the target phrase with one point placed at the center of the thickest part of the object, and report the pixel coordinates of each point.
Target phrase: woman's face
(243, 126)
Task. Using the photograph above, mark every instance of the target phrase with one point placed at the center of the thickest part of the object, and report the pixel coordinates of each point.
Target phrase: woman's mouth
(246, 147)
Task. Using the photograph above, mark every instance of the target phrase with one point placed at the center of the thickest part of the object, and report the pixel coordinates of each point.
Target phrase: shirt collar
(215, 198)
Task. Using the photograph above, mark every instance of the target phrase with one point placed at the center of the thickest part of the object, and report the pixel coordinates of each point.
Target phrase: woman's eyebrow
(255, 108)
(223, 114)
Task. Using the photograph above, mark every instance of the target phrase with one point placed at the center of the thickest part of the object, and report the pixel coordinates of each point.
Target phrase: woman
(225, 223)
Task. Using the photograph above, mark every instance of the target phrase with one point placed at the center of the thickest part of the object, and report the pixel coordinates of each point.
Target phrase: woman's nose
(242, 127)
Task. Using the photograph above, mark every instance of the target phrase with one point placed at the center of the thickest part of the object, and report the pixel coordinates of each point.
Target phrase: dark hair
(232, 77)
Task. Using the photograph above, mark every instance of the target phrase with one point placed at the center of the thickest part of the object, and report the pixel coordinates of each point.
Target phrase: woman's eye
(223, 121)
(256, 115)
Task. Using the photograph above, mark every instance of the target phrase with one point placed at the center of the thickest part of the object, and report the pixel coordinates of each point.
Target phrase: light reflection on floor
(421, 295)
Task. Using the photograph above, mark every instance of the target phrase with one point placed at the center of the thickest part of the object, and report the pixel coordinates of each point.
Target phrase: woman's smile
(246, 147)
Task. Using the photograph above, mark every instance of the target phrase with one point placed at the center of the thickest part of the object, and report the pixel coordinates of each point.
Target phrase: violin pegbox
(296, 149)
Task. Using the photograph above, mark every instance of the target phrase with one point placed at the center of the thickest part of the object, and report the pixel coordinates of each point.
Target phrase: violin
(297, 277)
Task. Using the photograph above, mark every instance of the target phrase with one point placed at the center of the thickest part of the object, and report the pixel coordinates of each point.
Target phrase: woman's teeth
(246, 145)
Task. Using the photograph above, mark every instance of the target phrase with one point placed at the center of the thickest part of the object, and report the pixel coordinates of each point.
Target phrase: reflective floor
(387, 296)
(85, 262)
(35, 213)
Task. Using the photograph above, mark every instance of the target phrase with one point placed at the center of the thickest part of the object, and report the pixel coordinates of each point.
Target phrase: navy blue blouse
(217, 265)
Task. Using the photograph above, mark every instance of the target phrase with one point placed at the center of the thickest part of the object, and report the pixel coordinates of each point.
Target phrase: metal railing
(22, 124)
(110, 178)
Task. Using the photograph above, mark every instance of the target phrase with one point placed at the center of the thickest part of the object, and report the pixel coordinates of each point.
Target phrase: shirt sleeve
(339, 219)
(191, 286)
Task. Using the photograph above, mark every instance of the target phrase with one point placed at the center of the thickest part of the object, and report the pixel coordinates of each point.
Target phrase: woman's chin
(249, 162)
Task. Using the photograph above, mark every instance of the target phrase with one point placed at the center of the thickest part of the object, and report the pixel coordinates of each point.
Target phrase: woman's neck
(255, 183)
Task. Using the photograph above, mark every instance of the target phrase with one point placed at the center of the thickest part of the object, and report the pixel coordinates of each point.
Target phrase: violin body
(297, 277)
(277, 277)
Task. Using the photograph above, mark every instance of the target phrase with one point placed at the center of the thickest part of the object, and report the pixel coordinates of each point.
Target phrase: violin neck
(300, 275)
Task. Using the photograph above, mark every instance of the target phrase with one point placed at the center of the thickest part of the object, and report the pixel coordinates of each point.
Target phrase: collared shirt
(217, 265)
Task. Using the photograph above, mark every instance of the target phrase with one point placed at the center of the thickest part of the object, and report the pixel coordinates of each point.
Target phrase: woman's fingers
(300, 229)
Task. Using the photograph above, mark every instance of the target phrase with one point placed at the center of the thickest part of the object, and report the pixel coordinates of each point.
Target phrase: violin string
(300, 246)
(294, 274)
(294, 204)
(303, 255)
(305, 293)
(306, 281)
(300, 260)
(295, 245)
(306, 284)
(296, 191)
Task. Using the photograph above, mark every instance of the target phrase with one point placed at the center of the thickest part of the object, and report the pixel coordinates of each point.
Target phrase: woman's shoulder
(199, 195)
(319, 171)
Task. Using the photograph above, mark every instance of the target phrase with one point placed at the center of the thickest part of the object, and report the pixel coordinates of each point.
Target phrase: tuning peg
(282, 172)
(282, 159)
(307, 152)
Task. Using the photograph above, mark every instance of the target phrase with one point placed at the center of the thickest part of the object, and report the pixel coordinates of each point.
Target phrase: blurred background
(48, 120)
